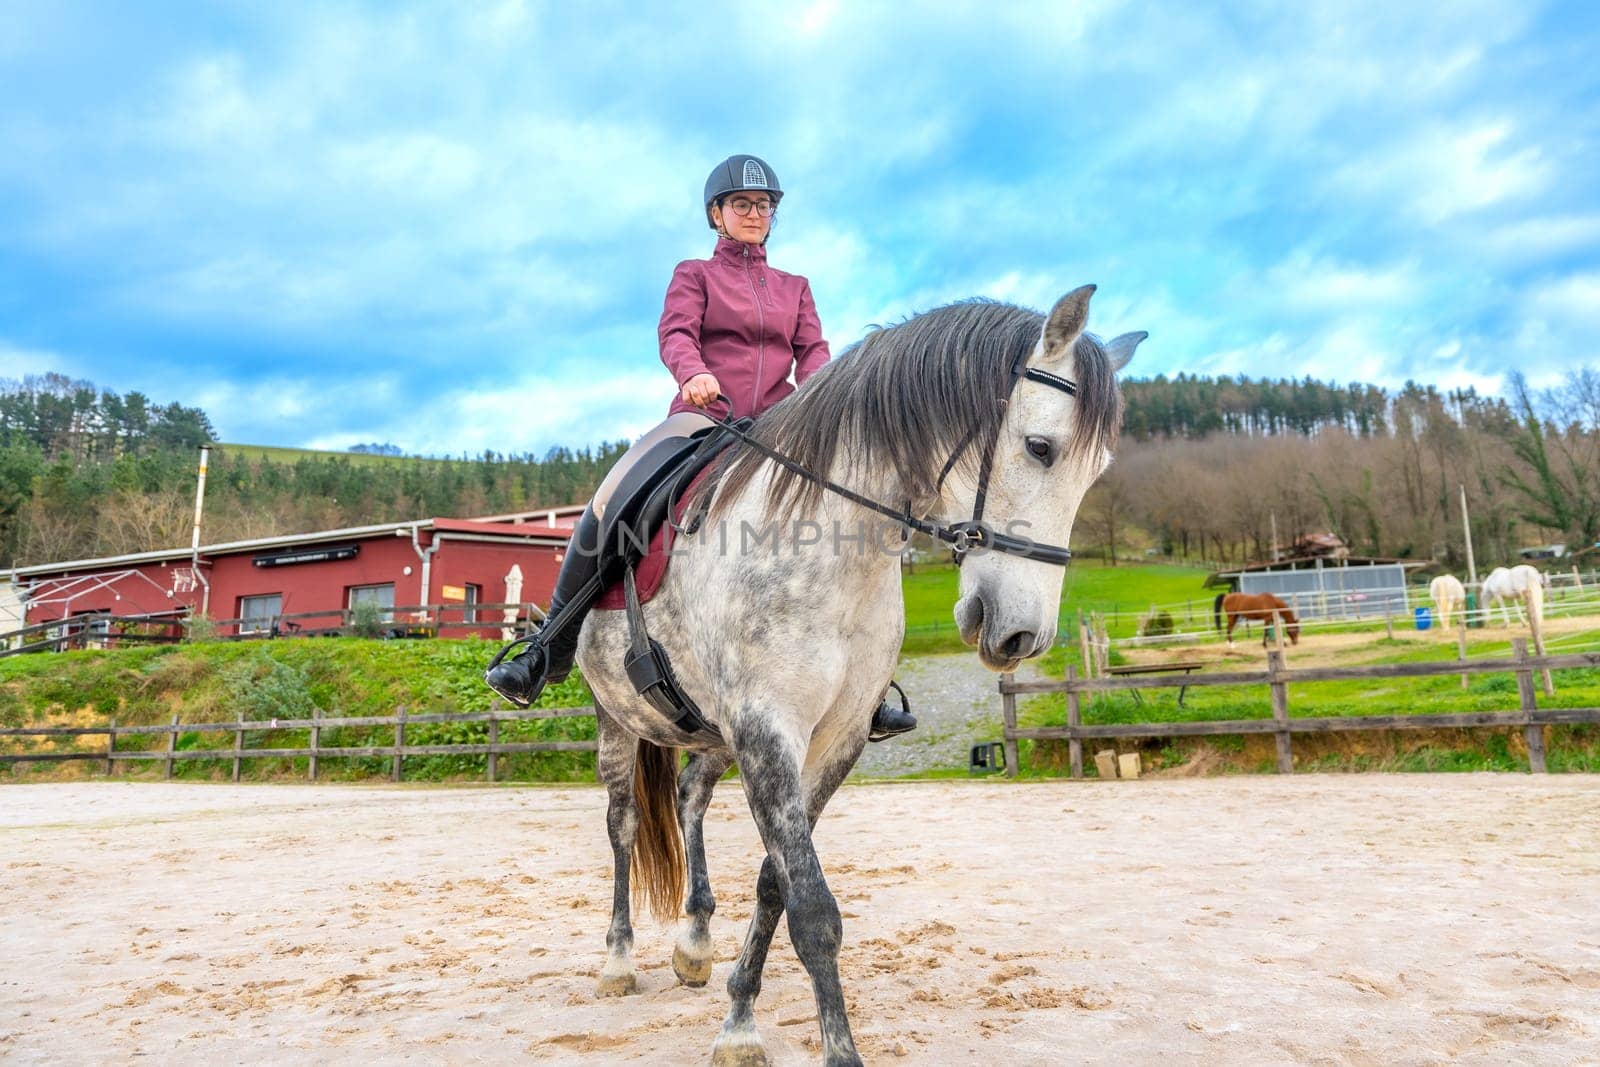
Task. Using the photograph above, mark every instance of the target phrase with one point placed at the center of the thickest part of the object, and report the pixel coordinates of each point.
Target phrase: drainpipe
(194, 545)
(426, 556)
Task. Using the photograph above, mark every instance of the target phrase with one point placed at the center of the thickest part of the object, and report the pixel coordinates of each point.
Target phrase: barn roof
(554, 524)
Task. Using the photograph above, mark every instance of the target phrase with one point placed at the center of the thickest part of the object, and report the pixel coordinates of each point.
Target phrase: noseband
(962, 537)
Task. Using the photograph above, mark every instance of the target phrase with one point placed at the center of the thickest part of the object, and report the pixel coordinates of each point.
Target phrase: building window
(474, 597)
(257, 614)
(380, 596)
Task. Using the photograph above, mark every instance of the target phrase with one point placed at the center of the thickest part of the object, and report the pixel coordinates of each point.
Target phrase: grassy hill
(277, 454)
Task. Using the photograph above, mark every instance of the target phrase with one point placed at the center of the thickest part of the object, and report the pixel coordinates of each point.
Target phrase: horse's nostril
(1019, 644)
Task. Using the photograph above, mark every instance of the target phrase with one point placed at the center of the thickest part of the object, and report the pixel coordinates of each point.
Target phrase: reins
(962, 537)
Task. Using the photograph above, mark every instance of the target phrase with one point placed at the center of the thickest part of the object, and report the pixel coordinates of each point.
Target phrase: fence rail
(316, 751)
(96, 628)
(1277, 677)
(406, 620)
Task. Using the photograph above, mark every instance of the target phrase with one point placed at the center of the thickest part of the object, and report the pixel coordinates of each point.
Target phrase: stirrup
(888, 721)
(533, 664)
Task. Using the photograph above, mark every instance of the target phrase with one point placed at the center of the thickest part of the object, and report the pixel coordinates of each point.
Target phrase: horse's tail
(658, 864)
(1216, 610)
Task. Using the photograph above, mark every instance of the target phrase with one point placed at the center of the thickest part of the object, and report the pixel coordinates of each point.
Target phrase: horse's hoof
(692, 971)
(739, 1048)
(618, 985)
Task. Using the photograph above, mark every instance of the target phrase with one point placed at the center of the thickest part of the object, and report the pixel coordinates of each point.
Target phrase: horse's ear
(1120, 349)
(1065, 323)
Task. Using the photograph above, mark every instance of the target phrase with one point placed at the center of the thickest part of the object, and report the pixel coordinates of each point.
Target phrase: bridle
(962, 537)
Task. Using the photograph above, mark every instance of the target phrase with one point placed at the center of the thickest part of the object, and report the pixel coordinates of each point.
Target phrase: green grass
(930, 596)
(223, 681)
(1569, 748)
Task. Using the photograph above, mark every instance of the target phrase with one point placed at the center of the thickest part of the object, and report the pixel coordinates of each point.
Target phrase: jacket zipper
(761, 331)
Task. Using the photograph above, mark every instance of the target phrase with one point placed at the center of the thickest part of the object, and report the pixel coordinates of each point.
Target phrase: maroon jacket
(737, 318)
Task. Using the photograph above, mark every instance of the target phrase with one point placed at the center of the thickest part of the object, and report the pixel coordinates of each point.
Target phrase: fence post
(1525, 699)
(1008, 709)
(238, 748)
(1461, 646)
(111, 745)
(1280, 710)
(1083, 646)
(399, 740)
(1102, 644)
(172, 744)
(1388, 621)
(494, 741)
(1074, 720)
(316, 743)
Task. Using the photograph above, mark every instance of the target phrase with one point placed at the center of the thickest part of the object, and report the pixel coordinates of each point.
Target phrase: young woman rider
(731, 325)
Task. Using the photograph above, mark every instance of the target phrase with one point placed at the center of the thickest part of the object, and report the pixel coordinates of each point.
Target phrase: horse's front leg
(617, 754)
(691, 957)
(791, 880)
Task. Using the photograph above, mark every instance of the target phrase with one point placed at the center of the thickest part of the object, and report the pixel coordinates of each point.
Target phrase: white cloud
(1308, 282)
(1541, 237)
(17, 362)
(1446, 171)
(1572, 301)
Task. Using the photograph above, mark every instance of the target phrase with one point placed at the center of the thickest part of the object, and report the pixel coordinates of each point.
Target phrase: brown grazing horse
(1255, 607)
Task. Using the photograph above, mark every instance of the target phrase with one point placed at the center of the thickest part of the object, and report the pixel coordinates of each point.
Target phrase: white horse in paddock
(1449, 599)
(1523, 586)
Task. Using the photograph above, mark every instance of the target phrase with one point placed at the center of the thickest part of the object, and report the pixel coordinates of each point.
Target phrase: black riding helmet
(740, 174)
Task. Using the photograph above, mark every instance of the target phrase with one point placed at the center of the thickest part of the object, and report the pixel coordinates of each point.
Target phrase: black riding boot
(889, 720)
(521, 678)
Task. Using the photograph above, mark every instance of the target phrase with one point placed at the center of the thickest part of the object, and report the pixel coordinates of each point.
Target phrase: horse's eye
(1039, 449)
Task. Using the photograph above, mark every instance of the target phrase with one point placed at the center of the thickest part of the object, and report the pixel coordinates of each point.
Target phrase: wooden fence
(1277, 677)
(97, 629)
(409, 620)
(397, 751)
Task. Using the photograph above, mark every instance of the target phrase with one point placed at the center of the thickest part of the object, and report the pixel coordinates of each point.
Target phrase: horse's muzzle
(1000, 647)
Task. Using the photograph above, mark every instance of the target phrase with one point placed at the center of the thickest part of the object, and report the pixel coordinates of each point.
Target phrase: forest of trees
(87, 473)
(1204, 466)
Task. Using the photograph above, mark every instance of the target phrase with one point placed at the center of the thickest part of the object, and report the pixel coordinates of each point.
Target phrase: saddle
(649, 504)
(646, 508)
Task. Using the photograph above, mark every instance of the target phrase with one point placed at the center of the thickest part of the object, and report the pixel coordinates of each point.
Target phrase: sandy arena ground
(1317, 919)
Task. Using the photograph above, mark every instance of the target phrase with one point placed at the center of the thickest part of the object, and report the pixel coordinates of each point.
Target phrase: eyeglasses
(742, 207)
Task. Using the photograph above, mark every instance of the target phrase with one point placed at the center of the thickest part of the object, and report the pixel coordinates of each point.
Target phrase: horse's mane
(905, 396)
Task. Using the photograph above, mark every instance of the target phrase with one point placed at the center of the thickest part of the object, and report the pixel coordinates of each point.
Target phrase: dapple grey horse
(783, 613)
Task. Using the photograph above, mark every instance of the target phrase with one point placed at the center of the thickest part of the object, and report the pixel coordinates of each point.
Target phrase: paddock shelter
(1319, 589)
(439, 561)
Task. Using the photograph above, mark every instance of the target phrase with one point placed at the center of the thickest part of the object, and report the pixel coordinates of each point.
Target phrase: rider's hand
(701, 390)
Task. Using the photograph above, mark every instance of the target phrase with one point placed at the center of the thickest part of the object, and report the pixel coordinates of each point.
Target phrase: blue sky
(449, 226)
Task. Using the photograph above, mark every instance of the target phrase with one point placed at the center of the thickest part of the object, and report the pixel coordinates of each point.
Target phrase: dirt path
(1316, 919)
(956, 700)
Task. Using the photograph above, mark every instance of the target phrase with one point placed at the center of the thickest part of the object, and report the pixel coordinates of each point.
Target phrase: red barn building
(456, 563)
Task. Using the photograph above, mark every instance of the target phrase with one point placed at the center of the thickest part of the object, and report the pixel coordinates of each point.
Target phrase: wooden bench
(1187, 667)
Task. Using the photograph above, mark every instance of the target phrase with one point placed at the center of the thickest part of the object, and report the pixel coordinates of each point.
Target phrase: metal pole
(194, 544)
(1466, 526)
(1274, 515)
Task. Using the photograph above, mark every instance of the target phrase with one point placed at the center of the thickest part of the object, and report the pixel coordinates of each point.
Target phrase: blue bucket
(1424, 619)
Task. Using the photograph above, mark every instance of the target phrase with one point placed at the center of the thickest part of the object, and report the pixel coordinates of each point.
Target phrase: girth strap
(650, 670)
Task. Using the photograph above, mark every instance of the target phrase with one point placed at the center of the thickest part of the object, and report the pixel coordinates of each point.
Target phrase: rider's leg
(678, 424)
(521, 678)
